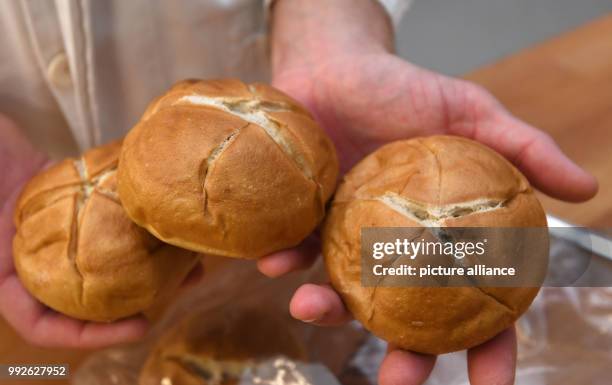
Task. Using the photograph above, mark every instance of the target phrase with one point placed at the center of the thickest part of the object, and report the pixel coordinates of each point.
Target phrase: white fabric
(396, 9)
(77, 73)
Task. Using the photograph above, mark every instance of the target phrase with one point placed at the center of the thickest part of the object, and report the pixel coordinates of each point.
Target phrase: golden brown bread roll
(434, 181)
(216, 349)
(227, 168)
(77, 251)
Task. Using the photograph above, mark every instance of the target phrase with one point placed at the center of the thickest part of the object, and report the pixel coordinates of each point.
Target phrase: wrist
(308, 32)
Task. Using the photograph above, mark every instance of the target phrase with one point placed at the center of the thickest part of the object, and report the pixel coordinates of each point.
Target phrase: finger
(320, 305)
(43, 327)
(7, 231)
(18, 307)
(405, 368)
(286, 261)
(494, 362)
(24, 162)
(537, 155)
(194, 277)
(53, 329)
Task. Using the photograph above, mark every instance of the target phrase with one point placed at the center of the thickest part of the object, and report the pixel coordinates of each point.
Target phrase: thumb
(537, 155)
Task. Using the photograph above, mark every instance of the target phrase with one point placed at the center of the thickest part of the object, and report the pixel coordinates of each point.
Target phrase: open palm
(365, 101)
(35, 322)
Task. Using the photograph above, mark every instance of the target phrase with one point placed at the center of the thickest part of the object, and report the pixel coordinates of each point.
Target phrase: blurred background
(564, 89)
(546, 61)
(457, 36)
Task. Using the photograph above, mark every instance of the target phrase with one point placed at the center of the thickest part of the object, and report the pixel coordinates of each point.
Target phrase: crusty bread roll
(77, 251)
(435, 181)
(227, 168)
(216, 348)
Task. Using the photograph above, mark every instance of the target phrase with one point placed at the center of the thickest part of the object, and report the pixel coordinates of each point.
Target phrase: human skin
(36, 323)
(336, 58)
(342, 69)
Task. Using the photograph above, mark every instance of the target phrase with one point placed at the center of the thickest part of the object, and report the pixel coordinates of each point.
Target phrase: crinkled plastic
(236, 284)
(564, 338)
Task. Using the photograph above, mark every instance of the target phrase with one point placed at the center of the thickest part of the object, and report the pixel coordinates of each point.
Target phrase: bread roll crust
(227, 168)
(76, 250)
(437, 174)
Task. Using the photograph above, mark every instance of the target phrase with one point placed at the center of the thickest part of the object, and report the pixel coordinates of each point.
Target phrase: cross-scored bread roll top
(227, 168)
(77, 251)
(428, 182)
(217, 349)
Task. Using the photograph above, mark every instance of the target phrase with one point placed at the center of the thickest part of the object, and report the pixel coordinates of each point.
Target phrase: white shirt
(78, 73)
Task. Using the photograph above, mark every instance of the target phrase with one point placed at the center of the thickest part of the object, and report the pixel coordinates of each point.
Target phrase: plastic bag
(230, 288)
(565, 338)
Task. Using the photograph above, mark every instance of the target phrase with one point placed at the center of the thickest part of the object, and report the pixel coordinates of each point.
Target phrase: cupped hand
(36, 323)
(365, 101)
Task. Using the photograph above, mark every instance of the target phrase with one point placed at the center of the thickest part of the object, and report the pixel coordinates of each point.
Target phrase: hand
(364, 97)
(36, 323)
(365, 101)
(368, 100)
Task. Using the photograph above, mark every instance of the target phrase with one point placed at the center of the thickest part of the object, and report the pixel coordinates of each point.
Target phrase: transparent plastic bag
(230, 287)
(565, 338)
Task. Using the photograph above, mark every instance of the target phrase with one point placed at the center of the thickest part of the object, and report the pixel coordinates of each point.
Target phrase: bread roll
(77, 251)
(426, 182)
(216, 348)
(227, 168)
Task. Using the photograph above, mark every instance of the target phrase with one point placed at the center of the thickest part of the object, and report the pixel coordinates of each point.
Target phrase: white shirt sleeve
(395, 8)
